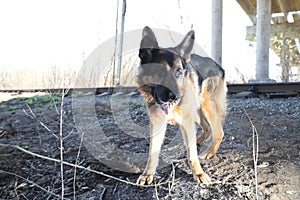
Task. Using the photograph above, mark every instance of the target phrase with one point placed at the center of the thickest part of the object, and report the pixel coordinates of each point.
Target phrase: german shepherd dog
(181, 89)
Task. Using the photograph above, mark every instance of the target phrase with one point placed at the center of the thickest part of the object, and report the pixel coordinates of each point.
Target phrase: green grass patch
(3, 106)
(15, 107)
(137, 104)
(45, 99)
(77, 94)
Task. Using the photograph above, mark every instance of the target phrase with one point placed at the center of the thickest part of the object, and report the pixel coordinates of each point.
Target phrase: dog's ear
(148, 43)
(149, 39)
(186, 46)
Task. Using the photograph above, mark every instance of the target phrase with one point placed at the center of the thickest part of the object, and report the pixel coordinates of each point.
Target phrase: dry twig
(29, 181)
(61, 140)
(254, 151)
(2, 132)
(75, 168)
(32, 115)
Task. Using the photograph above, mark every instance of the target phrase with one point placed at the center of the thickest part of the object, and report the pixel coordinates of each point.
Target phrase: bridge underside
(283, 33)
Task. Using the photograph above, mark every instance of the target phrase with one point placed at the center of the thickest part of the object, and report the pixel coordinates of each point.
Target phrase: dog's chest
(180, 114)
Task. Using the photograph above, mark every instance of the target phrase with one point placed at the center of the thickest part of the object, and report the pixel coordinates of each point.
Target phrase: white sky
(38, 34)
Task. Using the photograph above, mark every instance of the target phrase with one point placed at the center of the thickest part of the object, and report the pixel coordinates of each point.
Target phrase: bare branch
(254, 151)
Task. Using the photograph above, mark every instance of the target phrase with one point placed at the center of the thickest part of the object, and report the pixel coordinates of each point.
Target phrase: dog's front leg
(157, 131)
(189, 131)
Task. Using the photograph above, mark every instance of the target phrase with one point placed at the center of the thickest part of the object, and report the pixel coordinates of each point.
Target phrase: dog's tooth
(167, 109)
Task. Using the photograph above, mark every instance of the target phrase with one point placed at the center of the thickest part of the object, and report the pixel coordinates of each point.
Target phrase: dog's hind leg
(206, 127)
(213, 106)
(157, 131)
(212, 128)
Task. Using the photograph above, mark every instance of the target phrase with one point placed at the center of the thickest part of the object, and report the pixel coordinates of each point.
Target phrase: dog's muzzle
(165, 98)
(168, 107)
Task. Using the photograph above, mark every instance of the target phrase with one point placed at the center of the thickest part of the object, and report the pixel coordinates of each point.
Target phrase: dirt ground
(34, 125)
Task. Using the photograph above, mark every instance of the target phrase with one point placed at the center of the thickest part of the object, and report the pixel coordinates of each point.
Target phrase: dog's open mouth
(168, 107)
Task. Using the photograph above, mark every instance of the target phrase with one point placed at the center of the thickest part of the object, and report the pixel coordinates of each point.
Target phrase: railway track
(283, 89)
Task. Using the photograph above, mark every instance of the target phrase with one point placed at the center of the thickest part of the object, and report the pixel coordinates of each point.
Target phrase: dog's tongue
(167, 108)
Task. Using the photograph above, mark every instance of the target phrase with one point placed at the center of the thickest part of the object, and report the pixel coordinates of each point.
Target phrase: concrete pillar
(216, 30)
(263, 40)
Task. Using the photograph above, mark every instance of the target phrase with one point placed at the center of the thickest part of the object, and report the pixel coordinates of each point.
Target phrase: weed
(77, 94)
(137, 104)
(3, 106)
(15, 107)
(37, 100)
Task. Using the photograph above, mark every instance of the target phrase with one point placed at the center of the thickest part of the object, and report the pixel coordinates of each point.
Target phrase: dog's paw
(203, 178)
(145, 179)
(207, 155)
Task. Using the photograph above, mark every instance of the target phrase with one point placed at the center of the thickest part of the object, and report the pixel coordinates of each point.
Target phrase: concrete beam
(290, 30)
(249, 8)
(217, 23)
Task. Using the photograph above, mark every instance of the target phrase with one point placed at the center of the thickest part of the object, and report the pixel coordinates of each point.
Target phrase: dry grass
(5, 96)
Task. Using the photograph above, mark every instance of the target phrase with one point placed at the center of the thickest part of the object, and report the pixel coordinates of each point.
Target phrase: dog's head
(162, 71)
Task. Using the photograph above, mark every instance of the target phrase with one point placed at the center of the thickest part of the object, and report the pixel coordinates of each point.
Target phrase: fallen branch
(80, 167)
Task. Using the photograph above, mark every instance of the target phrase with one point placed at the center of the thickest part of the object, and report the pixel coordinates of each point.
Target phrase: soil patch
(34, 124)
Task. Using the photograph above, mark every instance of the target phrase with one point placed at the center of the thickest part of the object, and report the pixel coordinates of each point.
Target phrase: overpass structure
(276, 24)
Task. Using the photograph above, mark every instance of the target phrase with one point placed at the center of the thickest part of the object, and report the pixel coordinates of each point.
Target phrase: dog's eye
(179, 73)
